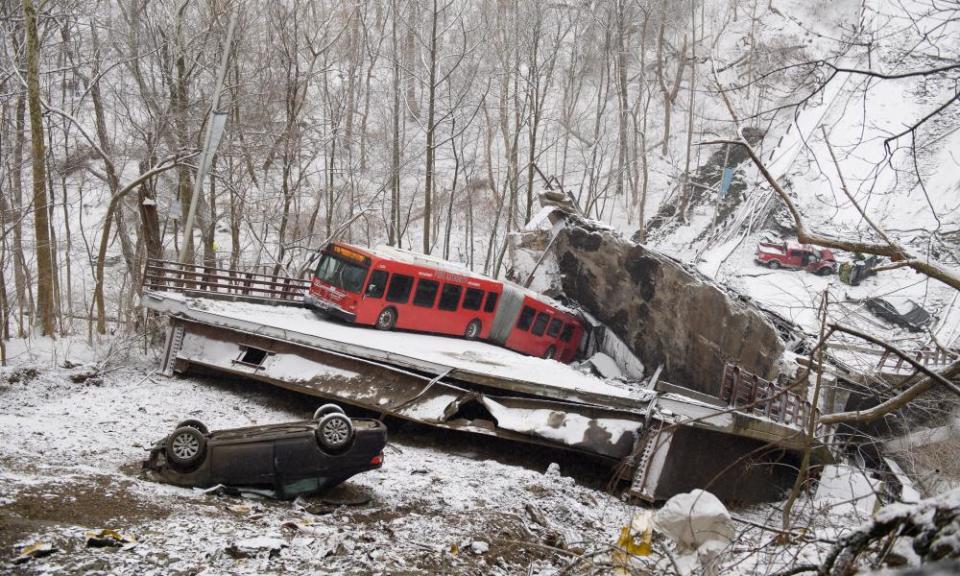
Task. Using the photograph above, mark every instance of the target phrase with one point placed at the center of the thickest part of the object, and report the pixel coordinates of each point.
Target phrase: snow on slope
(858, 113)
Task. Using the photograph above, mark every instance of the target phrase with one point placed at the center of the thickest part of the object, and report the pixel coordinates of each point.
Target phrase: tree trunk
(21, 274)
(394, 227)
(431, 133)
(685, 187)
(622, 97)
(45, 303)
(453, 190)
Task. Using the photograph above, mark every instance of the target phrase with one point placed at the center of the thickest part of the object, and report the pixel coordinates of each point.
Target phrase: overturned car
(287, 459)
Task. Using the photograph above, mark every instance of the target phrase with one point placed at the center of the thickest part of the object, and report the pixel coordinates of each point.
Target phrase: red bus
(391, 289)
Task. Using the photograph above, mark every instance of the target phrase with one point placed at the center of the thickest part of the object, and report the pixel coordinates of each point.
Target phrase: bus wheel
(387, 319)
(550, 353)
(473, 330)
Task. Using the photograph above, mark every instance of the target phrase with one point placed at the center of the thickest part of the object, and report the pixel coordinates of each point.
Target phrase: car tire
(773, 264)
(825, 271)
(387, 319)
(550, 353)
(192, 423)
(186, 448)
(327, 409)
(335, 432)
(473, 330)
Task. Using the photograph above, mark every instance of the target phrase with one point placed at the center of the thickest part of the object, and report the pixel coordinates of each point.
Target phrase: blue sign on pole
(725, 182)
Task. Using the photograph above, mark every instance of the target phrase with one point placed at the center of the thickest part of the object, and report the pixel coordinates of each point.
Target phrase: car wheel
(387, 319)
(327, 409)
(773, 264)
(334, 432)
(825, 271)
(186, 448)
(473, 330)
(191, 423)
(550, 353)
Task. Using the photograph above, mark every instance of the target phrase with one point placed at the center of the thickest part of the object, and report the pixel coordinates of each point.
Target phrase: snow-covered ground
(75, 425)
(69, 462)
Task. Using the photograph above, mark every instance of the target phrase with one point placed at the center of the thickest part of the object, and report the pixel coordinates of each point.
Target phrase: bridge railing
(211, 282)
(754, 395)
(932, 358)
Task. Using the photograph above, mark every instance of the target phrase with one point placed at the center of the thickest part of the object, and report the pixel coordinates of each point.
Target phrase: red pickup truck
(795, 255)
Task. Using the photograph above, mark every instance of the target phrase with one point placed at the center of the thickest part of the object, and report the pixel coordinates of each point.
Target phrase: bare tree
(45, 301)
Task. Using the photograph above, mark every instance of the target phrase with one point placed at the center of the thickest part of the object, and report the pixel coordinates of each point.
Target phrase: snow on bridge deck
(471, 361)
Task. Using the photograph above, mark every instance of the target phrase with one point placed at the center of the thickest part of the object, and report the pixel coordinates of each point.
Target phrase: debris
(536, 515)
(479, 547)
(251, 547)
(701, 527)
(35, 550)
(605, 366)
(553, 470)
(107, 537)
(636, 538)
(908, 492)
(345, 547)
(221, 490)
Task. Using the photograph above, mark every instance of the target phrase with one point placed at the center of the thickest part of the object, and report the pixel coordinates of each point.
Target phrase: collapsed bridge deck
(457, 384)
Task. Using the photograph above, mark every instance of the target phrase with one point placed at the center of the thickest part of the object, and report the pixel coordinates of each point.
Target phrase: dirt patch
(94, 502)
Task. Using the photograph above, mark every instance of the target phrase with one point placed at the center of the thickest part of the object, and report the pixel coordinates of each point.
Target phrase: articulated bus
(391, 289)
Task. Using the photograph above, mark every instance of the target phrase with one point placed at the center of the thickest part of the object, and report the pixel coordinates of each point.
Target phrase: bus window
(541, 324)
(378, 284)
(473, 299)
(450, 297)
(399, 290)
(567, 332)
(340, 273)
(426, 293)
(491, 304)
(554, 328)
(526, 318)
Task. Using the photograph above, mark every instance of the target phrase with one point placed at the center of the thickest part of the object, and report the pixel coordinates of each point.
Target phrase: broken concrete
(666, 313)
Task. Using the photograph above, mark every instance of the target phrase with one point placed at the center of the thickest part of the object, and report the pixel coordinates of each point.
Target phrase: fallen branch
(890, 405)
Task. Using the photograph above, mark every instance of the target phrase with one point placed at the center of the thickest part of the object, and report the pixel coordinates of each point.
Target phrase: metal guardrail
(207, 281)
(754, 395)
(931, 358)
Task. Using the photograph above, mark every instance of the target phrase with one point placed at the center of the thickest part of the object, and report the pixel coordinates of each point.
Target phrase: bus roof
(428, 261)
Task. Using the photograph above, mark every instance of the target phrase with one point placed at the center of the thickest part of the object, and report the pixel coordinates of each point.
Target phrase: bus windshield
(341, 274)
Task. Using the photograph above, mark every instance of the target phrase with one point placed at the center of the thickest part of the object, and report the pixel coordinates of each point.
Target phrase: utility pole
(215, 126)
